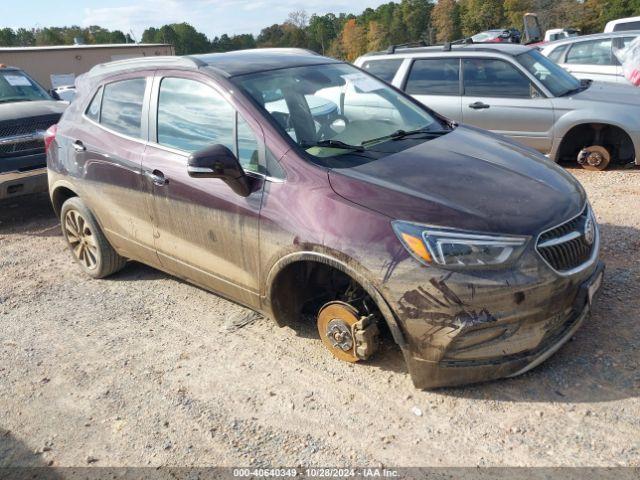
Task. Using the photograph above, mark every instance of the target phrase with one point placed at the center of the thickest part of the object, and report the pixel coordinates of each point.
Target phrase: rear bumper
(15, 184)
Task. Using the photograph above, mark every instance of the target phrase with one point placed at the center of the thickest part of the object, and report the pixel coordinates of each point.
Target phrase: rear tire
(89, 247)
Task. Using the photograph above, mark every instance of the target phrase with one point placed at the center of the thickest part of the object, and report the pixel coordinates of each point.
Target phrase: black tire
(89, 247)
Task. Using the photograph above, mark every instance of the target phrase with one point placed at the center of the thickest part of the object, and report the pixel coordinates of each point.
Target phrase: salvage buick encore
(301, 186)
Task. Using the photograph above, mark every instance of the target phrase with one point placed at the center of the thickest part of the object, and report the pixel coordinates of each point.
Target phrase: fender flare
(345, 267)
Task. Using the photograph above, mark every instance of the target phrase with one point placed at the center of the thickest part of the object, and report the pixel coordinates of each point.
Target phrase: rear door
(204, 231)
(107, 145)
(435, 82)
(499, 97)
(592, 59)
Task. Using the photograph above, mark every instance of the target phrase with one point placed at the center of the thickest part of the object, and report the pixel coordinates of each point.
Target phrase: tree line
(347, 35)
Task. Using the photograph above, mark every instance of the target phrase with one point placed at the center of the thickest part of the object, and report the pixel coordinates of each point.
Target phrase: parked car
(623, 24)
(515, 91)
(479, 255)
(26, 111)
(554, 34)
(592, 56)
(509, 35)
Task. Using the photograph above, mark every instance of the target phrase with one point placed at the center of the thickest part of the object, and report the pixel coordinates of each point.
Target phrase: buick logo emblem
(589, 231)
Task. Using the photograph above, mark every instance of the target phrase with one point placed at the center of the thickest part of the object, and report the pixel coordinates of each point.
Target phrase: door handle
(157, 177)
(78, 146)
(479, 106)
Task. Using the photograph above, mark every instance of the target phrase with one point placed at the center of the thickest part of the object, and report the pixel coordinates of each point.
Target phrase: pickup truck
(27, 110)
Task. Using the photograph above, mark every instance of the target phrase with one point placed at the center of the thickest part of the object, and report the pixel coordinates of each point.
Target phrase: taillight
(50, 136)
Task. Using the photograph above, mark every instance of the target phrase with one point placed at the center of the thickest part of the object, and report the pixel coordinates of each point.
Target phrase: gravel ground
(143, 369)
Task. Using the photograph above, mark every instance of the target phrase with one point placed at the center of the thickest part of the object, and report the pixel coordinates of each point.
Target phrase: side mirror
(217, 161)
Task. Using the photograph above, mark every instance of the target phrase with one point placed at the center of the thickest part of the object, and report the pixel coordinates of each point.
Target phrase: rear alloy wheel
(346, 334)
(594, 158)
(87, 243)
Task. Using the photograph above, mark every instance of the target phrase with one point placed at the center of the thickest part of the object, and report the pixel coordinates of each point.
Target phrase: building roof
(83, 47)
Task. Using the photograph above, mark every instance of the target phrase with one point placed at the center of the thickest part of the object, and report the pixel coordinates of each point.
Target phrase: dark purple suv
(301, 186)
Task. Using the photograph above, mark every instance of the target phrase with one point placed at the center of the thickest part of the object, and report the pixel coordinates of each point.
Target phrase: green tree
(8, 37)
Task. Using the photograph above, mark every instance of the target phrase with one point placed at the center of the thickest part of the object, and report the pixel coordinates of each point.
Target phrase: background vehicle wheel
(87, 243)
(594, 158)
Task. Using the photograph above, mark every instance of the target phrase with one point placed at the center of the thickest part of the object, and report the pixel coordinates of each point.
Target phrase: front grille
(11, 143)
(570, 245)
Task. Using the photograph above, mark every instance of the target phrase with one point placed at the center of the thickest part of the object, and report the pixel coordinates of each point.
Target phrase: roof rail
(141, 62)
(393, 48)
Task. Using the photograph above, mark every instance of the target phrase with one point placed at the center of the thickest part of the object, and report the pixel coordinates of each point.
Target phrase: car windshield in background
(335, 109)
(557, 80)
(15, 86)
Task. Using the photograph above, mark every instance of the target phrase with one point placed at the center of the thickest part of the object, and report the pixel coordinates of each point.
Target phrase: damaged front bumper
(464, 329)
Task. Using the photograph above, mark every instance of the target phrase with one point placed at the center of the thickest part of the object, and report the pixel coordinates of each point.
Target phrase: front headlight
(451, 248)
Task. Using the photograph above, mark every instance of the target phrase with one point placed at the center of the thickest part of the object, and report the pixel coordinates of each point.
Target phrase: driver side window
(486, 77)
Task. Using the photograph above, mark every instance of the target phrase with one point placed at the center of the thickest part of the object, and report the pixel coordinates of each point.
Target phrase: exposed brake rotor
(346, 334)
(594, 158)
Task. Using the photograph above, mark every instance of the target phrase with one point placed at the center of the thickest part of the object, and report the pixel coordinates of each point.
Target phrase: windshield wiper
(584, 84)
(398, 134)
(334, 144)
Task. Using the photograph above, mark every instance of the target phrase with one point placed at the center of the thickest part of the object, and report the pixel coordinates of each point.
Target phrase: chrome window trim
(595, 250)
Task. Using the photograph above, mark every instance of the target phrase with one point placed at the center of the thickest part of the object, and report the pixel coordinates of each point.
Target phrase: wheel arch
(566, 137)
(60, 192)
(278, 280)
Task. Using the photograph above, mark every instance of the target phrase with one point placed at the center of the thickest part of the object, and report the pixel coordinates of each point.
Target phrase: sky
(212, 17)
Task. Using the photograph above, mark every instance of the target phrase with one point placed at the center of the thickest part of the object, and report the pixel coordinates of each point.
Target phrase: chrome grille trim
(563, 247)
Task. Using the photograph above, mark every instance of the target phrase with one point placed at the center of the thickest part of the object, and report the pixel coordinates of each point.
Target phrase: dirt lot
(142, 369)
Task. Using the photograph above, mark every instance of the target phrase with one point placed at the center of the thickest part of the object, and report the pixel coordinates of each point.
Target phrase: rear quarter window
(627, 26)
(93, 110)
(557, 54)
(383, 69)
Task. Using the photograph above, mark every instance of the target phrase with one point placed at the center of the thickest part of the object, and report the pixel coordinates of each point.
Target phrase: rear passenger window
(557, 54)
(192, 116)
(439, 76)
(122, 106)
(383, 69)
(93, 110)
(595, 52)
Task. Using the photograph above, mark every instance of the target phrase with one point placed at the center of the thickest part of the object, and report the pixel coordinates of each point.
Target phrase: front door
(205, 232)
(501, 98)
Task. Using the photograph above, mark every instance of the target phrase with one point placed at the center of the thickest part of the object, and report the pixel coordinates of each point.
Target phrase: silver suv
(515, 91)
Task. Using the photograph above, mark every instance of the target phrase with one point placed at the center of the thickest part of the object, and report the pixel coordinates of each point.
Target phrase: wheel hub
(348, 335)
(594, 158)
(339, 334)
(81, 240)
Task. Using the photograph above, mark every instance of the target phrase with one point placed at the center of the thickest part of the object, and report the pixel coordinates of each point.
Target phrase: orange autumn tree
(353, 40)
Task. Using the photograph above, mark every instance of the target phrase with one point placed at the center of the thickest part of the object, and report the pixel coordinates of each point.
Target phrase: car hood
(39, 108)
(610, 93)
(468, 179)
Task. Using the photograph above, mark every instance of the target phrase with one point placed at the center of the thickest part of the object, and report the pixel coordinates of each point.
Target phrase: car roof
(593, 36)
(506, 48)
(228, 64)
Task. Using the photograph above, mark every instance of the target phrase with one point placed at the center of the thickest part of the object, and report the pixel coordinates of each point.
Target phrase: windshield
(557, 80)
(335, 109)
(15, 86)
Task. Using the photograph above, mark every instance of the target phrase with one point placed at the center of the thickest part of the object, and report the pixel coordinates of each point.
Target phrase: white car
(592, 56)
(623, 25)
